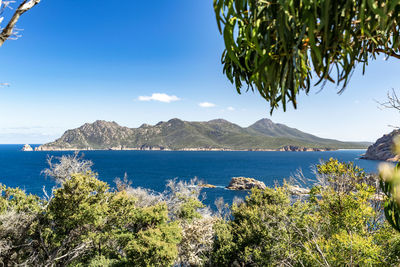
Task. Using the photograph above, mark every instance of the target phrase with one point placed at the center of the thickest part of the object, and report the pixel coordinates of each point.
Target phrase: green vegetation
(176, 134)
(390, 184)
(276, 46)
(339, 225)
(85, 223)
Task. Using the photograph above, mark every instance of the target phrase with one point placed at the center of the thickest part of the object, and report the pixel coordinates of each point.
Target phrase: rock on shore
(27, 148)
(302, 149)
(382, 148)
(244, 183)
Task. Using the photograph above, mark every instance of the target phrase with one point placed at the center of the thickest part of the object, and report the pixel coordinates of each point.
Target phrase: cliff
(382, 148)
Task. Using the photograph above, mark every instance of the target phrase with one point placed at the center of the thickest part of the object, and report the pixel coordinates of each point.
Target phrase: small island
(27, 148)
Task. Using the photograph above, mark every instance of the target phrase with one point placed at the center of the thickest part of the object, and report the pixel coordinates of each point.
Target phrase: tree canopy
(276, 46)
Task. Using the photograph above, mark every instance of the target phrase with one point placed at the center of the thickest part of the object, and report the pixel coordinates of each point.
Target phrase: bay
(151, 169)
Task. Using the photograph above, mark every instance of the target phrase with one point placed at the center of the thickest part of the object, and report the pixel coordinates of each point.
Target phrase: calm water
(151, 169)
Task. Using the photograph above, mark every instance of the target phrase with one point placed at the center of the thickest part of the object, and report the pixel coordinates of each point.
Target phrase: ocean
(151, 169)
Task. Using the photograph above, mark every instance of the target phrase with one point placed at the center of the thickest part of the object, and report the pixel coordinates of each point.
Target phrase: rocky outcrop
(27, 148)
(382, 148)
(207, 185)
(302, 149)
(244, 183)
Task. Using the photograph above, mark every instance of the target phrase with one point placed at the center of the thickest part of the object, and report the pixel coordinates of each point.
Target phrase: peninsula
(176, 134)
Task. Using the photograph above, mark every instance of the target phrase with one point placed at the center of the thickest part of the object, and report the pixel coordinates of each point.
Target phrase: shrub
(85, 223)
(340, 223)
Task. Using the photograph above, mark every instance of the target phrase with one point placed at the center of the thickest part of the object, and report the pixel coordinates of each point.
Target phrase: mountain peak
(219, 121)
(264, 121)
(175, 120)
(99, 124)
(171, 122)
(104, 123)
(145, 125)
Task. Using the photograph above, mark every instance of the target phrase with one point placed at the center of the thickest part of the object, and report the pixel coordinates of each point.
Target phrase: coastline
(184, 149)
(352, 149)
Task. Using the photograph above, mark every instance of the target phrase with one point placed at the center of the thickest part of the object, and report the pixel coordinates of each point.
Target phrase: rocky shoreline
(382, 149)
(147, 148)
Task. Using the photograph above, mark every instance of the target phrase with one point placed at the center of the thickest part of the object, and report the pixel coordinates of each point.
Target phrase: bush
(340, 223)
(85, 223)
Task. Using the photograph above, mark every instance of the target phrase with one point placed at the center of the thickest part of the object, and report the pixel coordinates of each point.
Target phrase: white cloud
(231, 108)
(159, 97)
(206, 105)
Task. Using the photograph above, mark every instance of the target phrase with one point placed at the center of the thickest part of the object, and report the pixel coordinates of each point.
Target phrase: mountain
(269, 128)
(177, 134)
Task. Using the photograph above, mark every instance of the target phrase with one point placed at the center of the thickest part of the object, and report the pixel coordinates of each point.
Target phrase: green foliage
(340, 224)
(80, 202)
(155, 246)
(18, 218)
(390, 184)
(85, 223)
(16, 199)
(263, 231)
(189, 208)
(275, 45)
(343, 249)
(334, 168)
(100, 261)
(142, 233)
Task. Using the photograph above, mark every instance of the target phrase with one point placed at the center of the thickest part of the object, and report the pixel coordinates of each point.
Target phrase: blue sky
(79, 61)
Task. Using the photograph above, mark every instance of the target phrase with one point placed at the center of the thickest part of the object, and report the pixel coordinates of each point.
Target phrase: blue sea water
(151, 169)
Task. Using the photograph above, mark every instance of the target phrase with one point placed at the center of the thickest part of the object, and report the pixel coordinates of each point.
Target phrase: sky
(138, 62)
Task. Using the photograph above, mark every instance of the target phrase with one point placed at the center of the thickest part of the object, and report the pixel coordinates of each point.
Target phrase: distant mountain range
(177, 134)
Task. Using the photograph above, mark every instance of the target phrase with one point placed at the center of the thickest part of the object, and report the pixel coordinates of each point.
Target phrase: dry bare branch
(67, 165)
(10, 31)
(392, 102)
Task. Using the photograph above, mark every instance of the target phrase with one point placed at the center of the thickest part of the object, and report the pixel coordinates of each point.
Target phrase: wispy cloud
(206, 105)
(230, 108)
(161, 97)
(4, 85)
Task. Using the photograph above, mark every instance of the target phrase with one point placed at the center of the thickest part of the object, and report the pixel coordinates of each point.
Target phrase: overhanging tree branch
(276, 47)
(388, 53)
(8, 31)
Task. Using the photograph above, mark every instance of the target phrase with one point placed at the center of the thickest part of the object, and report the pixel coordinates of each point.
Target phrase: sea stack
(27, 148)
